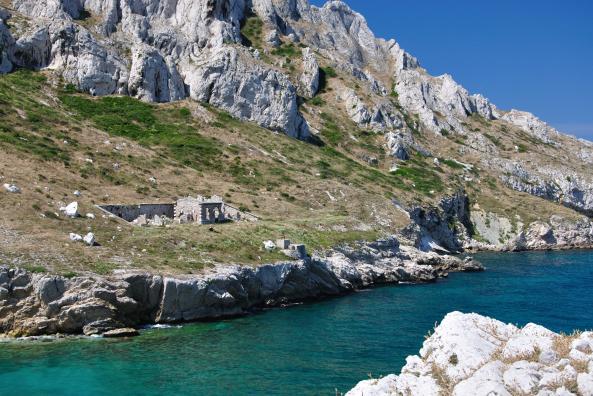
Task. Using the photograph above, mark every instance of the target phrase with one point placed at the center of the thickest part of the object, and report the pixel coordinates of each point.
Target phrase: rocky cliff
(469, 354)
(453, 226)
(35, 304)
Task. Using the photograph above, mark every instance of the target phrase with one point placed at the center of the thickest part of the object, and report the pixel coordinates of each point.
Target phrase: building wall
(131, 212)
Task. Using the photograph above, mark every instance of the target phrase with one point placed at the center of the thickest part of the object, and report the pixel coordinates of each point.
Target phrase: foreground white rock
(469, 354)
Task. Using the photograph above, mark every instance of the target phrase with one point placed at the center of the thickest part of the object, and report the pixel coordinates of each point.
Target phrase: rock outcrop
(35, 304)
(531, 124)
(442, 228)
(165, 51)
(453, 226)
(553, 183)
(469, 354)
(309, 80)
(158, 53)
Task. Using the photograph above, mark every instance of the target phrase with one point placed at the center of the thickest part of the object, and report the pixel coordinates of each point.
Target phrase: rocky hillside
(469, 354)
(283, 107)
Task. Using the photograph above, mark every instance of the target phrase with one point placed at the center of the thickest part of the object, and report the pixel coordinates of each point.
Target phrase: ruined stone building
(199, 210)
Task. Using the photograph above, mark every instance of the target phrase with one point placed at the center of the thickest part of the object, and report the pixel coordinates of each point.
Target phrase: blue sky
(534, 55)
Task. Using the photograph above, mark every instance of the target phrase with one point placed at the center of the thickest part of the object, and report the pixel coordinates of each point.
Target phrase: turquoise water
(310, 349)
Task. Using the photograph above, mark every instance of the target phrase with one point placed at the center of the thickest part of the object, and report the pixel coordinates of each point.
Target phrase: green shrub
(150, 126)
(452, 164)
(316, 101)
(252, 31)
(329, 72)
(286, 50)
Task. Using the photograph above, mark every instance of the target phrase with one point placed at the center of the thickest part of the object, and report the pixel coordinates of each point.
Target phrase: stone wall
(131, 212)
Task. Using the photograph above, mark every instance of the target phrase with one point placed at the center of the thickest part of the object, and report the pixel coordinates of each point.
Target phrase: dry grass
(562, 344)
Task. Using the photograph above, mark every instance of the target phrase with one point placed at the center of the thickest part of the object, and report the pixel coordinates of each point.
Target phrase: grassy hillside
(54, 140)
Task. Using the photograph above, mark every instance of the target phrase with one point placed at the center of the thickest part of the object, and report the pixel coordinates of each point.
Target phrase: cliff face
(34, 304)
(469, 354)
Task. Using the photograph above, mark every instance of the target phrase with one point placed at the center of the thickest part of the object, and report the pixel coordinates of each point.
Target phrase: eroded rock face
(34, 304)
(472, 354)
(441, 228)
(310, 76)
(557, 184)
(154, 78)
(158, 52)
(247, 91)
(6, 43)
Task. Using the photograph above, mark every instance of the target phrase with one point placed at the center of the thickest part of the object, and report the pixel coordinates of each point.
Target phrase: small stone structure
(200, 210)
(294, 250)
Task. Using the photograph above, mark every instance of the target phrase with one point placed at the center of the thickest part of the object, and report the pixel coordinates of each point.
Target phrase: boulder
(70, 210)
(269, 245)
(89, 239)
(11, 188)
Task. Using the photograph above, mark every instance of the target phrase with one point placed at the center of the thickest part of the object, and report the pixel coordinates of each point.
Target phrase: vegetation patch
(331, 131)
(148, 125)
(252, 31)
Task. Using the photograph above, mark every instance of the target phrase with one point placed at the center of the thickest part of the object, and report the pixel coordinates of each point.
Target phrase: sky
(532, 55)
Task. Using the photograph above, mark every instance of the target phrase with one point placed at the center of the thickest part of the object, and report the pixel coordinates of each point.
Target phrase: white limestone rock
(70, 210)
(309, 79)
(469, 339)
(75, 237)
(531, 124)
(585, 384)
(471, 354)
(11, 188)
(397, 144)
(269, 245)
(378, 117)
(154, 78)
(486, 381)
(529, 340)
(89, 239)
(229, 80)
(522, 377)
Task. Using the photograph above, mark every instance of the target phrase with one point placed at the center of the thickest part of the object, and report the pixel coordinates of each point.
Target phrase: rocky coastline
(39, 304)
(472, 354)
(34, 304)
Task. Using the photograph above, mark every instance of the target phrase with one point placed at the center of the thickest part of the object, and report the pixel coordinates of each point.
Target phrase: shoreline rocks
(473, 354)
(40, 304)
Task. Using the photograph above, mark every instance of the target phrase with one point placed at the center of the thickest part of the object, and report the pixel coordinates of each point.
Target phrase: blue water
(310, 349)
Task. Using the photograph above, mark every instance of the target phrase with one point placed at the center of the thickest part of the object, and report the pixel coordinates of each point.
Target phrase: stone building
(200, 210)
